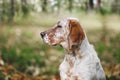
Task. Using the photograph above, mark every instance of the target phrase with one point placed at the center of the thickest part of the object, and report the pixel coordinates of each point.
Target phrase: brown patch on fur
(80, 56)
(78, 49)
(75, 77)
(69, 73)
(76, 34)
(50, 35)
(69, 62)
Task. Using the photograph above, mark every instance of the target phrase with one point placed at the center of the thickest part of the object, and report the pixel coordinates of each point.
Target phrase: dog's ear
(76, 34)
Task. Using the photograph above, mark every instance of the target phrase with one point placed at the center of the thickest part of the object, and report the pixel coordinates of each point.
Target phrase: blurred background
(23, 55)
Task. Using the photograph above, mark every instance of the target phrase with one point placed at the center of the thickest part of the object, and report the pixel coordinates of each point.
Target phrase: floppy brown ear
(76, 34)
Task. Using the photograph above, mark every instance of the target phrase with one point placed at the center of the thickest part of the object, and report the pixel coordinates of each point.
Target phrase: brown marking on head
(76, 34)
(50, 33)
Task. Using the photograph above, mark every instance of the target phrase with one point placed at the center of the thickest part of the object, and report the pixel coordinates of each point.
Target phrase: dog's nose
(42, 34)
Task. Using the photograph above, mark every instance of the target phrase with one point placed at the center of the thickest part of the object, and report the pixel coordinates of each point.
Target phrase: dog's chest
(75, 66)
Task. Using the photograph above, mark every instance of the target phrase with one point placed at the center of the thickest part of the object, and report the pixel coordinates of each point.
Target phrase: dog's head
(67, 33)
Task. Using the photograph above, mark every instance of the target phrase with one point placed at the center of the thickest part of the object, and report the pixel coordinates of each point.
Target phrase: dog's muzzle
(42, 34)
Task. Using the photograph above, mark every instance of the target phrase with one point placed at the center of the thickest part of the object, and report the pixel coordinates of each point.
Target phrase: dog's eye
(59, 26)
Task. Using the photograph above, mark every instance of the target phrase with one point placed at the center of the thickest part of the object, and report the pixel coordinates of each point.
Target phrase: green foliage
(116, 47)
(1, 76)
(101, 48)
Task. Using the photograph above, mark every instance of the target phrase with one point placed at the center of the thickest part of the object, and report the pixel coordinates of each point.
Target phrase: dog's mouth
(54, 45)
(48, 42)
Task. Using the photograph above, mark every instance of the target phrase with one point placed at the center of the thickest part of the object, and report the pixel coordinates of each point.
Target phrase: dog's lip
(54, 45)
(49, 44)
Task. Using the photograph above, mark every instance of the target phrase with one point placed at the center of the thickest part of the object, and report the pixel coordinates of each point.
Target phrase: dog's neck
(79, 49)
(84, 45)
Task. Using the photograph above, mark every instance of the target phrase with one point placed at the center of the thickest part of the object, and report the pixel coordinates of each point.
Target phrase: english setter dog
(81, 61)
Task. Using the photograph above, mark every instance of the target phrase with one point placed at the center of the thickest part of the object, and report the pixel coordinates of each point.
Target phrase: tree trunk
(44, 5)
(98, 4)
(70, 5)
(12, 10)
(2, 12)
(91, 4)
(58, 5)
(24, 6)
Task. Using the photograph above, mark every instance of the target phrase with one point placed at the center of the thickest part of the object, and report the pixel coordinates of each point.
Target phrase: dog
(81, 61)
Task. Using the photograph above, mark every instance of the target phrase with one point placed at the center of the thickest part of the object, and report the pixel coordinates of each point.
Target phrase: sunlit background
(24, 56)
